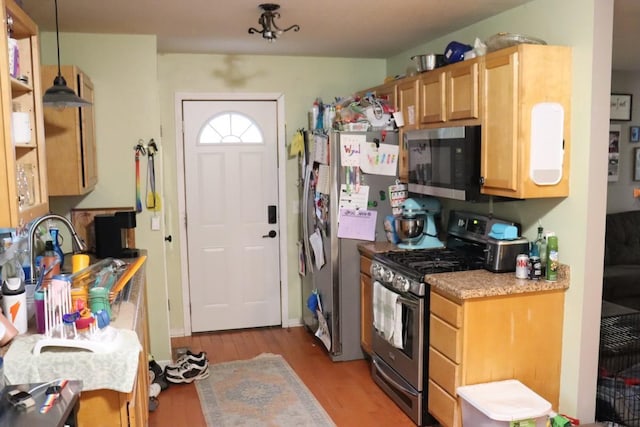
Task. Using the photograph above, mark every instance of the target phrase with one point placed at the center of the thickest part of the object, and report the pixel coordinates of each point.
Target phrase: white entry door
(231, 179)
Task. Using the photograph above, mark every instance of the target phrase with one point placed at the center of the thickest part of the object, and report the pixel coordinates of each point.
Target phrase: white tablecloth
(114, 369)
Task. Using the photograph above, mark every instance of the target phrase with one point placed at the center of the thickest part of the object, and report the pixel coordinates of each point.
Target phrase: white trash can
(497, 404)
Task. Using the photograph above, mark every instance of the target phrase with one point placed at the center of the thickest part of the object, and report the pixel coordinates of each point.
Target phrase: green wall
(301, 80)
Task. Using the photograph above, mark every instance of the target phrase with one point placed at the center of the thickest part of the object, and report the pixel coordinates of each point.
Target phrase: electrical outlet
(155, 223)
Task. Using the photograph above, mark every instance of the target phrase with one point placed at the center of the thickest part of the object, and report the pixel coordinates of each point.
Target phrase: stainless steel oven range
(400, 342)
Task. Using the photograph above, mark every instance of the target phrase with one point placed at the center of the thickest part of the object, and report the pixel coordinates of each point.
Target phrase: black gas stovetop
(418, 262)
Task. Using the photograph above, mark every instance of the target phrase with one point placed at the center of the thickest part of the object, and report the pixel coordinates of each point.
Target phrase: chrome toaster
(500, 255)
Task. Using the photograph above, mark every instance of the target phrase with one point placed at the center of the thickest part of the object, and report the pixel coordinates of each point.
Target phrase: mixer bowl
(409, 230)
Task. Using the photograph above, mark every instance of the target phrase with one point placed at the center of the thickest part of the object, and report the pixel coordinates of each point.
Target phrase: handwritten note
(382, 160)
(350, 148)
(357, 224)
(321, 149)
(354, 199)
(324, 180)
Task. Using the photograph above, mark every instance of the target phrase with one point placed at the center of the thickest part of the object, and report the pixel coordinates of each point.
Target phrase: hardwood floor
(344, 389)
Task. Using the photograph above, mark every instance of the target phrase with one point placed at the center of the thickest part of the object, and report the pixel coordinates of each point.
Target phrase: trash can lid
(507, 400)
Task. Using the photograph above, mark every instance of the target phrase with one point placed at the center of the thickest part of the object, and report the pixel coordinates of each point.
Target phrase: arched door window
(230, 128)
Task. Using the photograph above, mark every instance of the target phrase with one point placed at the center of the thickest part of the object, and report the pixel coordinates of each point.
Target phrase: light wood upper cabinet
(409, 103)
(23, 174)
(515, 81)
(451, 94)
(70, 135)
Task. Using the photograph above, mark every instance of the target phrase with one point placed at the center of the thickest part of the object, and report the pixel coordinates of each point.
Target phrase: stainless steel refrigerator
(338, 281)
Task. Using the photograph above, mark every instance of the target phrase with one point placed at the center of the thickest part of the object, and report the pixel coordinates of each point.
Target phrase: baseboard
(293, 323)
(174, 333)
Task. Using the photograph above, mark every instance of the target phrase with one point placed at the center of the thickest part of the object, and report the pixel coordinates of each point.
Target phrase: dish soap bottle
(552, 258)
(55, 236)
(541, 244)
(51, 260)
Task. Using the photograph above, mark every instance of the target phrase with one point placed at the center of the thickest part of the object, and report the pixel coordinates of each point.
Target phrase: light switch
(155, 223)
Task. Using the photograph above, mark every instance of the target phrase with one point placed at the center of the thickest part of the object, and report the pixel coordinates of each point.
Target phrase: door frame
(282, 192)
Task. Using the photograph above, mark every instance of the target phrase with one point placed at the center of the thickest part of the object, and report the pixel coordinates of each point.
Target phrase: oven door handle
(406, 301)
(401, 387)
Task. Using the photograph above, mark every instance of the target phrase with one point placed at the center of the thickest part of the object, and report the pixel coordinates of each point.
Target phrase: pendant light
(60, 95)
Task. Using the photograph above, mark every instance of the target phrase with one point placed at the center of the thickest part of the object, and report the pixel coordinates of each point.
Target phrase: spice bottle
(552, 258)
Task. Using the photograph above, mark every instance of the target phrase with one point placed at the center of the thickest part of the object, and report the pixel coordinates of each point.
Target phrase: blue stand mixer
(416, 226)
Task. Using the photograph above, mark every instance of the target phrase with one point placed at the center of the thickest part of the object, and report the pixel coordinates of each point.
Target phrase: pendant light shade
(60, 95)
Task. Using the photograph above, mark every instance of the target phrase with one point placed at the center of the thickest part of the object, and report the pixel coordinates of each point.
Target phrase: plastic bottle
(14, 302)
(50, 258)
(55, 239)
(552, 258)
(541, 244)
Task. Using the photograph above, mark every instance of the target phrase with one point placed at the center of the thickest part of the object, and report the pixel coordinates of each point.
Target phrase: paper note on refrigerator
(318, 249)
(379, 160)
(323, 184)
(353, 199)
(321, 149)
(357, 224)
(350, 149)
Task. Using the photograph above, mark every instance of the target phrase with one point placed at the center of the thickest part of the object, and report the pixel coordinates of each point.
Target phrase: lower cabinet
(366, 304)
(110, 408)
(491, 339)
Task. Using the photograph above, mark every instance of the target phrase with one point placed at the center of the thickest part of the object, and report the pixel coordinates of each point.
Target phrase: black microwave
(445, 162)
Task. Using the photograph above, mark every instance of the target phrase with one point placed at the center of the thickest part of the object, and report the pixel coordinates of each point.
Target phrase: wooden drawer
(446, 339)
(443, 371)
(365, 265)
(447, 310)
(443, 406)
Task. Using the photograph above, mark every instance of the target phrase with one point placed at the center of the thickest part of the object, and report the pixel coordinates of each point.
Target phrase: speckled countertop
(477, 283)
(482, 283)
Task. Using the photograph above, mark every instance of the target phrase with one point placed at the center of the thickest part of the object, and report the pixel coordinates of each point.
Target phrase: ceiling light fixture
(270, 30)
(60, 95)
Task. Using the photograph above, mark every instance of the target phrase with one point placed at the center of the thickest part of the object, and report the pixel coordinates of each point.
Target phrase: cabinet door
(366, 304)
(22, 160)
(88, 133)
(433, 97)
(70, 135)
(462, 90)
(408, 103)
(366, 313)
(499, 158)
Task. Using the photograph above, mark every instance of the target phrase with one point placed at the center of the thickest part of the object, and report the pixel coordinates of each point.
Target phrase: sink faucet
(78, 243)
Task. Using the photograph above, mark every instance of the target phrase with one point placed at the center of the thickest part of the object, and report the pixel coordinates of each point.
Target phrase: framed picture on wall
(614, 152)
(636, 164)
(620, 106)
(634, 133)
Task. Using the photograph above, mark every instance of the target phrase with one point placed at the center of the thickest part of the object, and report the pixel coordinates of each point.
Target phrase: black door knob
(168, 238)
(271, 234)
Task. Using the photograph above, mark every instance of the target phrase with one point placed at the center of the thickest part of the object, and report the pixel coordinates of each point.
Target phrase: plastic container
(553, 261)
(497, 404)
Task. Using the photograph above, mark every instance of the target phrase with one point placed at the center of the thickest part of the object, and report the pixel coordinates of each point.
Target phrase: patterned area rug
(264, 391)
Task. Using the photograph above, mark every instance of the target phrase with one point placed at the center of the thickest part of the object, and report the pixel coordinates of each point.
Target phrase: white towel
(387, 314)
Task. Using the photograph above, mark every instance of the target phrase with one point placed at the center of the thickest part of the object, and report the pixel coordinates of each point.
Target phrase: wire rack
(618, 393)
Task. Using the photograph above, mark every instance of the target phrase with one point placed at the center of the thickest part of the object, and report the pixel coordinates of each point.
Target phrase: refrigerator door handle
(305, 218)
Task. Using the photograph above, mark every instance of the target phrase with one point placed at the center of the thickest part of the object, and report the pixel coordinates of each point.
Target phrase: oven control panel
(396, 280)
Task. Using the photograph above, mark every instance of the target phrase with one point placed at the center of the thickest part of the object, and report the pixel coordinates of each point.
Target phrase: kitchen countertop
(51, 364)
(482, 283)
(477, 283)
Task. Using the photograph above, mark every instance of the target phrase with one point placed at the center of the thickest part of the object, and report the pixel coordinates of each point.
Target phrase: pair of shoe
(188, 368)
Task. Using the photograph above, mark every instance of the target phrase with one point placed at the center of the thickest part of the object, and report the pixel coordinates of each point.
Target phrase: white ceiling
(339, 28)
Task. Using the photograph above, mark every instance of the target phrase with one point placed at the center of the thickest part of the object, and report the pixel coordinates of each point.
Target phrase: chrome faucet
(78, 243)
